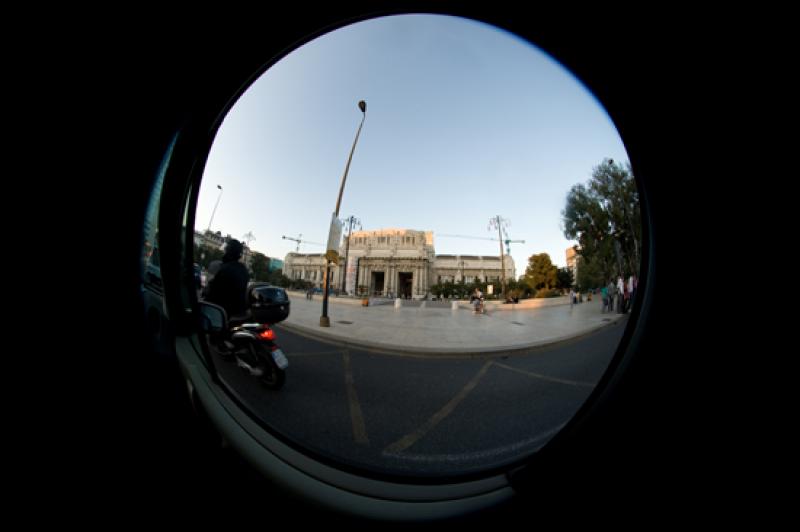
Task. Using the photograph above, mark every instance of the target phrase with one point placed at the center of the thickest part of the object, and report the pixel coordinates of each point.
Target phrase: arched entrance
(405, 284)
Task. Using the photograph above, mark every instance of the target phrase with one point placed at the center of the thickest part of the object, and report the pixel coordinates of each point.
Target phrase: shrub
(547, 292)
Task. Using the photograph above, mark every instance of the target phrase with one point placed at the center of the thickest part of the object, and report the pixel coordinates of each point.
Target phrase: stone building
(572, 261)
(394, 263)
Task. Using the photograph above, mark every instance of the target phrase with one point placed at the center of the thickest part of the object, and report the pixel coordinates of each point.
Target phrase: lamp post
(351, 220)
(208, 230)
(213, 212)
(500, 223)
(324, 321)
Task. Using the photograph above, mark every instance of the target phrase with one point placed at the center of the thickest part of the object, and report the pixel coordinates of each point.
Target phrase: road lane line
(529, 445)
(545, 377)
(410, 439)
(294, 354)
(356, 416)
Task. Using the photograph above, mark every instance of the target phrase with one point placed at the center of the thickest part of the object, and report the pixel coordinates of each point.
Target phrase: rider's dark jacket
(228, 288)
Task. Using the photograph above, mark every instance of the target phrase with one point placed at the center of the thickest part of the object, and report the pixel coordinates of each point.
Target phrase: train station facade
(394, 263)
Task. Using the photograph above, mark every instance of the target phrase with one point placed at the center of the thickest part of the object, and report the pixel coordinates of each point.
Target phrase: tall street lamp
(215, 208)
(208, 230)
(324, 321)
(500, 223)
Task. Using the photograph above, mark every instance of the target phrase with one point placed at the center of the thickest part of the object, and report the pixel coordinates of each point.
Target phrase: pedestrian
(477, 300)
(572, 298)
(604, 296)
(632, 287)
(626, 298)
(612, 292)
(620, 293)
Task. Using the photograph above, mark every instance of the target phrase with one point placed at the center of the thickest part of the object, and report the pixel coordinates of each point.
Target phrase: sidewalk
(444, 330)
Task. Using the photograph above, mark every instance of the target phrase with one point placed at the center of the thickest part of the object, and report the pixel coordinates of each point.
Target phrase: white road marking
(410, 439)
(545, 377)
(476, 456)
(356, 416)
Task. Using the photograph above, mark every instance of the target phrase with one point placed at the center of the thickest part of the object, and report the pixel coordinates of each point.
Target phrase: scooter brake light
(268, 334)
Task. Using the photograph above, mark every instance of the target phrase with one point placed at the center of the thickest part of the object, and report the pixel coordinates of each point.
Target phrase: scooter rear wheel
(272, 377)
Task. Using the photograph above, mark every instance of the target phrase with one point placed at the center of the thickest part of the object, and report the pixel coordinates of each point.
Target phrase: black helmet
(233, 249)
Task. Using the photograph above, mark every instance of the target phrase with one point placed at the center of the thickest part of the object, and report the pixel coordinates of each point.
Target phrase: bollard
(397, 303)
(454, 305)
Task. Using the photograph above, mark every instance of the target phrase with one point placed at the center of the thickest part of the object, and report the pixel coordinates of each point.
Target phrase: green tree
(205, 255)
(541, 273)
(565, 278)
(437, 290)
(277, 278)
(259, 265)
(605, 218)
(590, 275)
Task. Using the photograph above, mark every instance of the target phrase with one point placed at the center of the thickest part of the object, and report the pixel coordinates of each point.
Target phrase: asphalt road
(424, 414)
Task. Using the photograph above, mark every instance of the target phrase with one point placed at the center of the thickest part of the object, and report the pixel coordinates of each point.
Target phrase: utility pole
(351, 220)
(500, 224)
(248, 237)
(507, 242)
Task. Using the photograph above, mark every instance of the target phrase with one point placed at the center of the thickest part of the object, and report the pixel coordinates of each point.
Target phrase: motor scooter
(252, 345)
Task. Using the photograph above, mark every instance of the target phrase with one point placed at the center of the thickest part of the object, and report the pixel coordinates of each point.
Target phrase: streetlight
(500, 223)
(352, 220)
(324, 321)
(208, 230)
(215, 208)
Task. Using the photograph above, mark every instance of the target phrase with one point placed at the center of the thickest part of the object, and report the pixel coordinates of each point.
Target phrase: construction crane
(506, 241)
(299, 241)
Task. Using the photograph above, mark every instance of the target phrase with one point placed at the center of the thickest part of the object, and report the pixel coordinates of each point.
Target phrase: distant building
(217, 241)
(274, 264)
(572, 261)
(397, 263)
(211, 239)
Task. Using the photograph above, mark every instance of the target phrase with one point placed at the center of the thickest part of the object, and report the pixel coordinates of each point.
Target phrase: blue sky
(464, 122)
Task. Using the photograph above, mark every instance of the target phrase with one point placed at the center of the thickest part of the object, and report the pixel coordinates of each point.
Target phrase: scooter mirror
(212, 317)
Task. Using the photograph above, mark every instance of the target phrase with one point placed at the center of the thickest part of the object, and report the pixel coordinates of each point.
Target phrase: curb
(498, 351)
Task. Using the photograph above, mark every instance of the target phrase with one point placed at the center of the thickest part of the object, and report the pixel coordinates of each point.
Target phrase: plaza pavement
(436, 327)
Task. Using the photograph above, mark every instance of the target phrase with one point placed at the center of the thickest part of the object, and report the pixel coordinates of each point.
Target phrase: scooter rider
(228, 288)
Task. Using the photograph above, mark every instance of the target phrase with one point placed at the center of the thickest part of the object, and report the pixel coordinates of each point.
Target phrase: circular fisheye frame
(441, 247)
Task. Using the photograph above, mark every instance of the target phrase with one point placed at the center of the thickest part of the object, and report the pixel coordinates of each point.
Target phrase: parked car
(269, 304)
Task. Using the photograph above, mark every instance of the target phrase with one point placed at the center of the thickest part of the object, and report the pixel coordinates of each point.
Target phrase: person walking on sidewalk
(620, 293)
(604, 296)
(612, 292)
(626, 298)
(631, 289)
